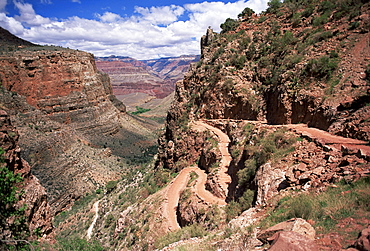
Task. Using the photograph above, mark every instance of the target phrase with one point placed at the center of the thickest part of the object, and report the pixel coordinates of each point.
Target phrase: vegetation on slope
(291, 64)
(13, 227)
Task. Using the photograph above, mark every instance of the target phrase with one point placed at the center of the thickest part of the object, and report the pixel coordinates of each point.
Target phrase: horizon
(141, 30)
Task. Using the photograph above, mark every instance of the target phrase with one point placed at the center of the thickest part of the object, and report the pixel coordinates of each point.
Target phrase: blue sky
(139, 29)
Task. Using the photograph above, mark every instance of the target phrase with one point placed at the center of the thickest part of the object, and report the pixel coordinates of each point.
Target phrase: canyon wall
(38, 213)
(266, 68)
(73, 131)
(263, 72)
(156, 77)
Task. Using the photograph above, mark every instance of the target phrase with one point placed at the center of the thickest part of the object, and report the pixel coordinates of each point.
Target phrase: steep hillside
(283, 67)
(73, 131)
(285, 86)
(35, 219)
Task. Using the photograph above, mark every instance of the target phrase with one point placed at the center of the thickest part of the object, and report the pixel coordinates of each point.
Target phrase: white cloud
(160, 15)
(150, 33)
(13, 26)
(28, 15)
(108, 17)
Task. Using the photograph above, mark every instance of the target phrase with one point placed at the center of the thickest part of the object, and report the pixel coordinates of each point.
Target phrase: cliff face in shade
(38, 211)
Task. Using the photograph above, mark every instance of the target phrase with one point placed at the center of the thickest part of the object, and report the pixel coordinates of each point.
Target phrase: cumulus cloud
(150, 33)
(28, 15)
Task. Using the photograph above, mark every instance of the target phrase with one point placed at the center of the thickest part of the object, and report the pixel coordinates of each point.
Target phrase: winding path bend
(180, 182)
(222, 175)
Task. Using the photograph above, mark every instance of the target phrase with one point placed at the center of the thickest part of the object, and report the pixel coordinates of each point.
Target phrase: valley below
(259, 143)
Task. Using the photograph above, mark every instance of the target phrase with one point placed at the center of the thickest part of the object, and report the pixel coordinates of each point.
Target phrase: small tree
(229, 25)
(12, 219)
(247, 12)
(274, 5)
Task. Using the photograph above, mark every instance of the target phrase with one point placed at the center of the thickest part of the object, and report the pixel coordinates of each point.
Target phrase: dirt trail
(179, 184)
(222, 175)
(326, 138)
(95, 209)
(181, 181)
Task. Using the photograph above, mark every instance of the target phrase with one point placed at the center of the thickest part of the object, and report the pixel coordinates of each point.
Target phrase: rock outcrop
(38, 212)
(73, 130)
(284, 86)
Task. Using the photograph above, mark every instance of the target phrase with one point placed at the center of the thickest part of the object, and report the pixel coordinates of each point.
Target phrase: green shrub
(247, 12)
(238, 62)
(354, 25)
(111, 185)
(10, 195)
(232, 210)
(229, 25)
(308, 11)
(322, 67)
(324, 208)
(140, 110)
(326, 6)
(323, 19)
(77, 244)
(262, 19)
(195, 230)
(274, 6)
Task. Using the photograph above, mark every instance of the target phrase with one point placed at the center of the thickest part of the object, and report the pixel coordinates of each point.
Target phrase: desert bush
(229, 25)
(322, 67)
(308, 11)
(111, 185)
(320, 20)
(325, 209)
(191, 231)
(247, 12)
(274, 6)
(77, 244)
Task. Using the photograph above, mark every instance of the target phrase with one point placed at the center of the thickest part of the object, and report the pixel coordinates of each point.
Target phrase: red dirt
(179, 183)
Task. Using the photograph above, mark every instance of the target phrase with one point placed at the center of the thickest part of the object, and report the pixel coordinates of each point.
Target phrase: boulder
(292, 241)
(297, 225)
(363, 241)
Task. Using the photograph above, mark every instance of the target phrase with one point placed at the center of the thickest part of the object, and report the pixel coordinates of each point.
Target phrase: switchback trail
(222, 175)
(180, 182)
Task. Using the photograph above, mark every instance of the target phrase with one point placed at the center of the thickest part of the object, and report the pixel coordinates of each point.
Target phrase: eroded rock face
(38, 211)
(156, 77)
(74, 131)
(65, 85)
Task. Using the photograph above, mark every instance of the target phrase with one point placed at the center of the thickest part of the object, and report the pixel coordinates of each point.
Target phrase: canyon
(265, 145)
(144, 83)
